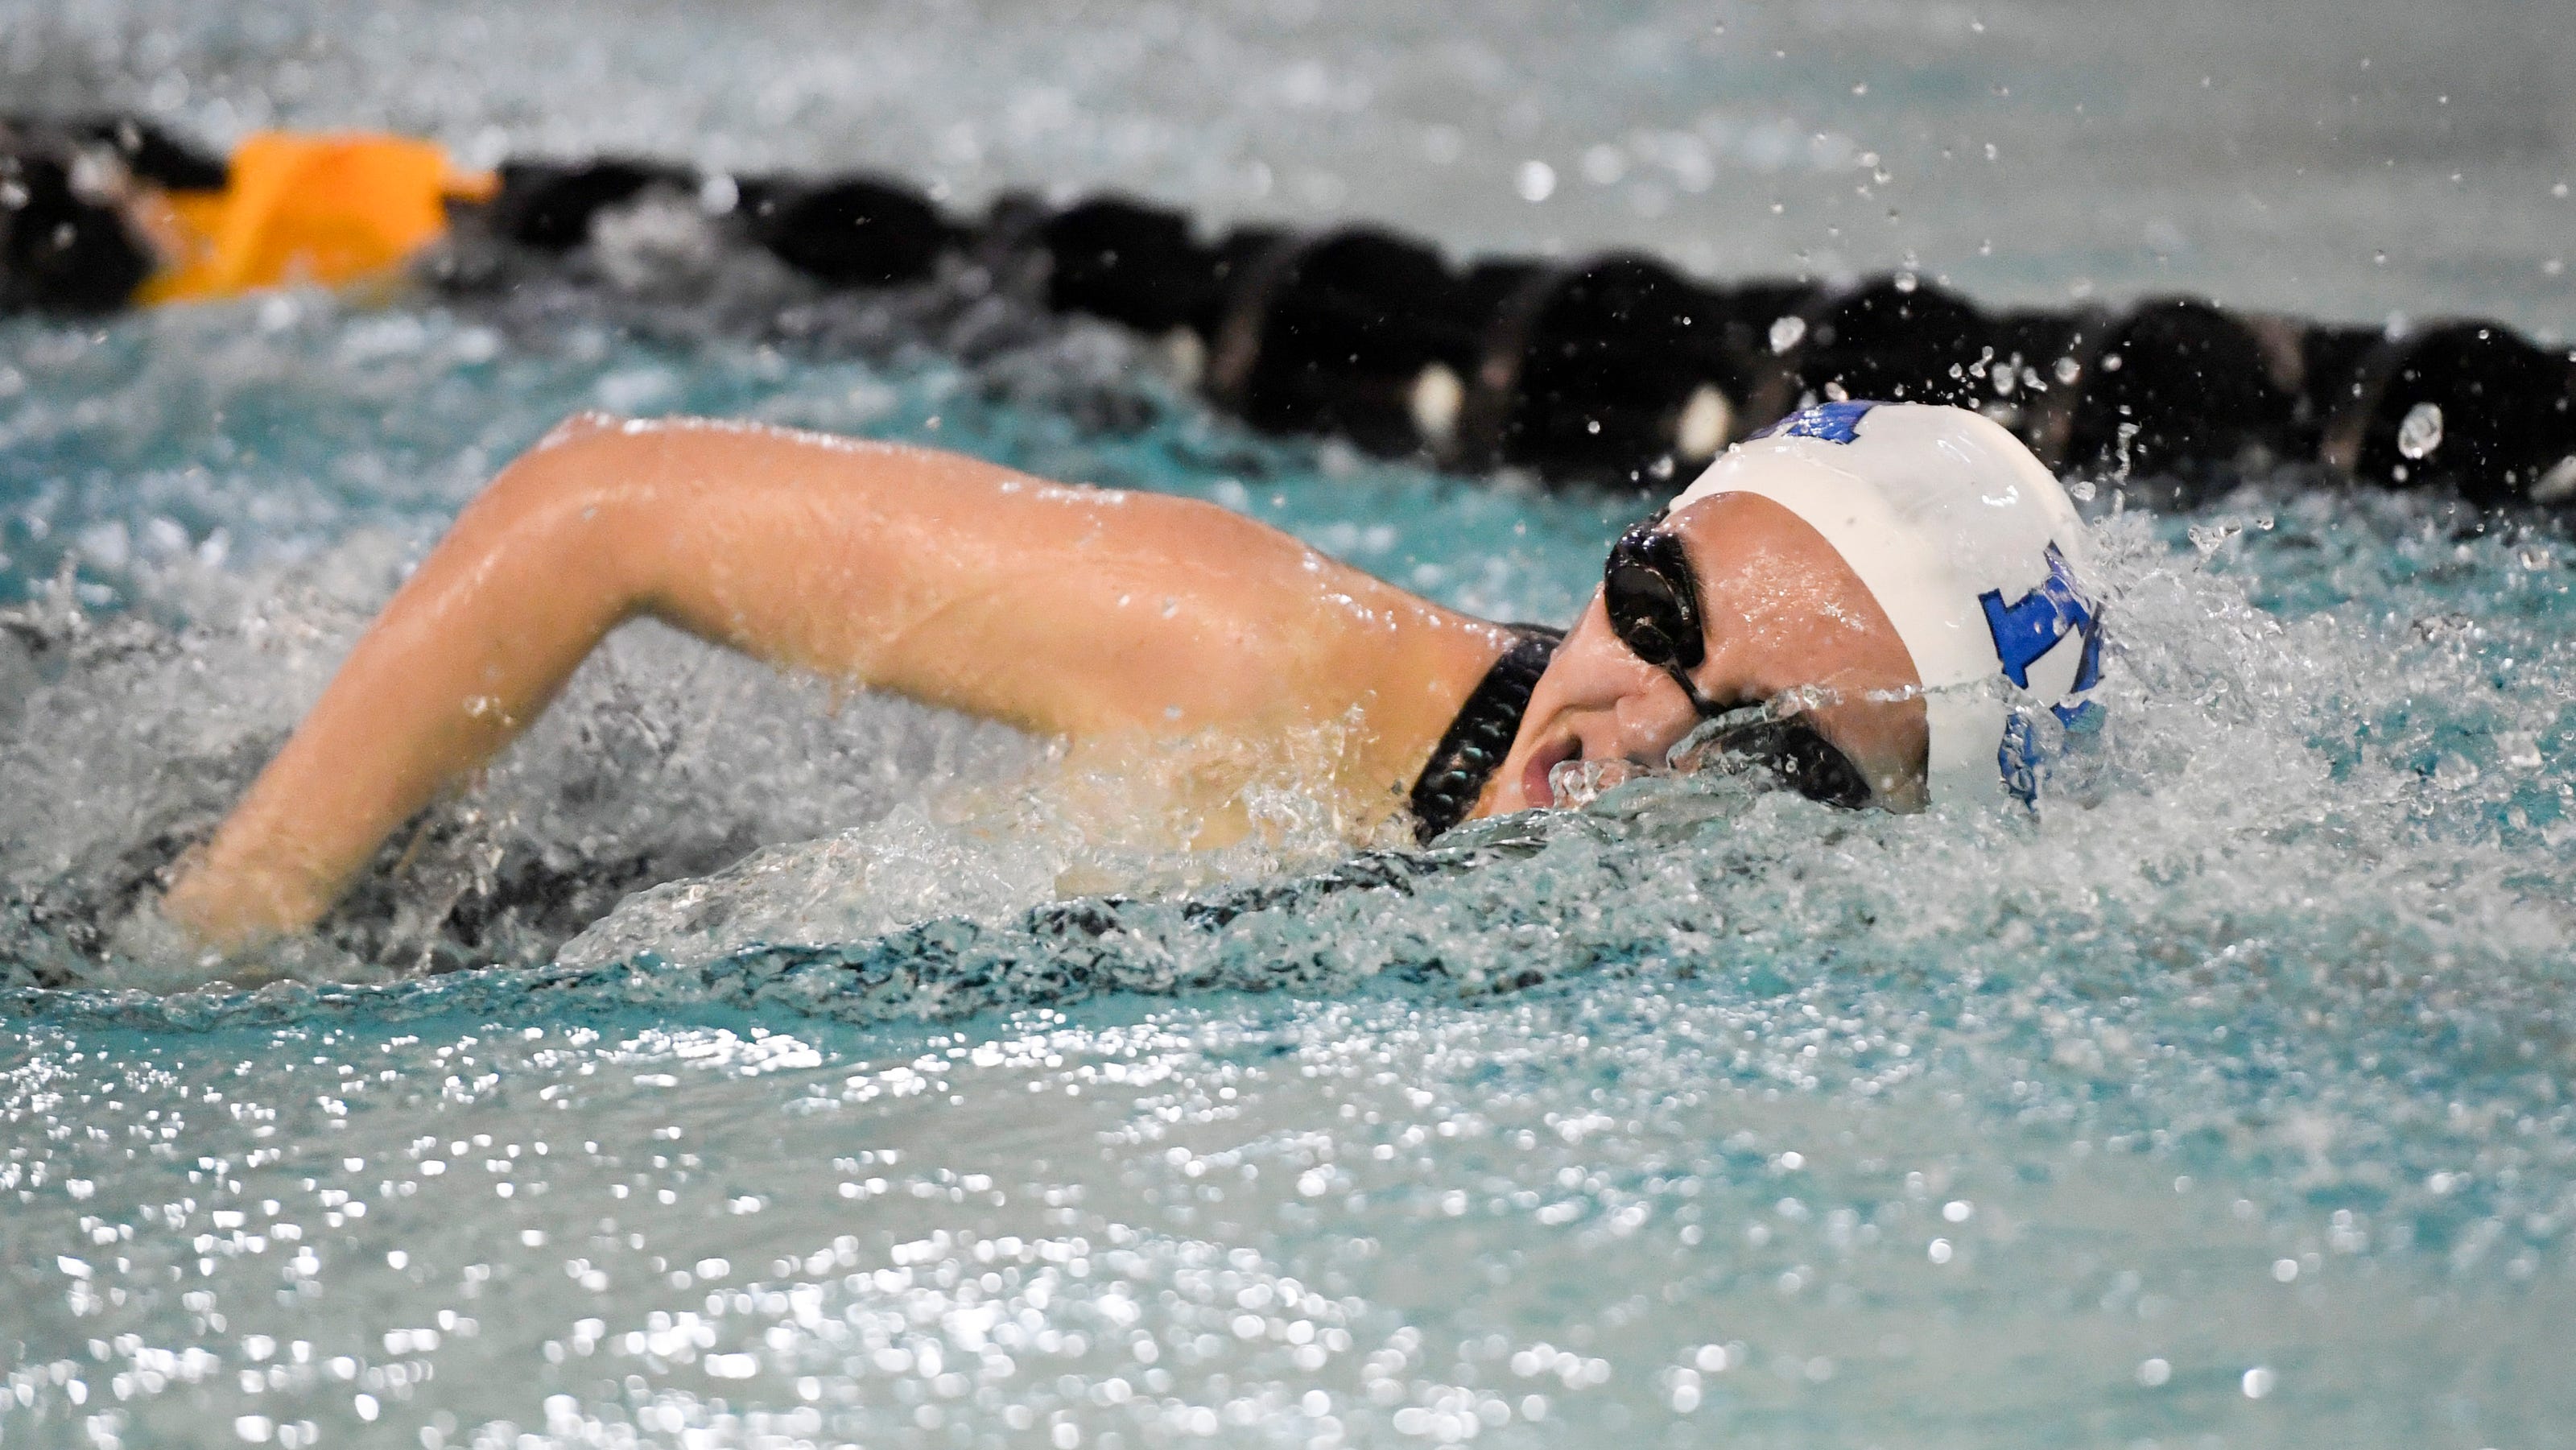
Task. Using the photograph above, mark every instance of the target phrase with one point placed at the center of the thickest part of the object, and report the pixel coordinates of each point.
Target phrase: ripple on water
(2223, 1097)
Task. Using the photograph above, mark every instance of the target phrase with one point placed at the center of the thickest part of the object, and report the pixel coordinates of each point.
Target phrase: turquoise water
(2225, 1098)
(2223, 1102)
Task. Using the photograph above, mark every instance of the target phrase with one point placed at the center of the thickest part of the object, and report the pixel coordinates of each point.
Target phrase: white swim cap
(1969, 545)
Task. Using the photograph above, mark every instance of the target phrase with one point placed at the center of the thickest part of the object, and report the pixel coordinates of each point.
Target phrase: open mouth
(1536, 789)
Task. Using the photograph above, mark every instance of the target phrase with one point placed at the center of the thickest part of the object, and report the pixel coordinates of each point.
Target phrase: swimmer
(1843, 595)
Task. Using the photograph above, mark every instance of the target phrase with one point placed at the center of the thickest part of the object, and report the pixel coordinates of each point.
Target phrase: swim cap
(1972, 549)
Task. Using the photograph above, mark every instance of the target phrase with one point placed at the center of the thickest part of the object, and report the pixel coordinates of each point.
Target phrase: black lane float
(1615, 370)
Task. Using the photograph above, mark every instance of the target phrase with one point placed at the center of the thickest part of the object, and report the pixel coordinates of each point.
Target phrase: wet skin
(1781, 611)
(1120, 623)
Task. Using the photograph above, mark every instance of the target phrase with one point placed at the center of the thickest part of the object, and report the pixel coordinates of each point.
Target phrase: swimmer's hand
(237, 896)
(155, 950)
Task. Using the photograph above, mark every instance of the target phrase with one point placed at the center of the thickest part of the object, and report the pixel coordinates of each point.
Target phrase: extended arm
(1069, 611)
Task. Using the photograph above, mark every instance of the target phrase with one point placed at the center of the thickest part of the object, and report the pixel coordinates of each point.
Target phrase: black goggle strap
(1707, 709)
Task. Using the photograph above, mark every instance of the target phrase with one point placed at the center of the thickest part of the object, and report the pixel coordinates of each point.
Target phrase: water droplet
(2258, 1382)
(1435, 401)
(1706, 421)
(1786, 332)
(1536, 181)
(2421, 431)
(2558, 483)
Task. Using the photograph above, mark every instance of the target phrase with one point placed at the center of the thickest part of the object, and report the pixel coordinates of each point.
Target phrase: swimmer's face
(1781, 611)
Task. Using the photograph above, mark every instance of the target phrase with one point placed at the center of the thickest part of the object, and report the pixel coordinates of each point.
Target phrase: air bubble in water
(2421, 432)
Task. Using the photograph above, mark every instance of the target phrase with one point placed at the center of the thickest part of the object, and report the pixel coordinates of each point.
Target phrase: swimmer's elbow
(582, 461)
(565, 515)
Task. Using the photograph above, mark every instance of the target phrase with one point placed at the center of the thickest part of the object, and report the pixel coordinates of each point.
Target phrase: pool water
(739, 1065)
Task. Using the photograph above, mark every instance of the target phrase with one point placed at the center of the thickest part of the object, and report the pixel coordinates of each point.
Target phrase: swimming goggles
(1652, 597)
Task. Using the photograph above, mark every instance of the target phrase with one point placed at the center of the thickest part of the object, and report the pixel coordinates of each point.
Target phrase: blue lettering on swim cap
(1832, 422)
(2032, 625)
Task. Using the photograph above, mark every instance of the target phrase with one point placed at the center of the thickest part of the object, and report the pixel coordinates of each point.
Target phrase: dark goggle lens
(1807, 764)
(1645, 615)
(1648, 593)
(1790, 752)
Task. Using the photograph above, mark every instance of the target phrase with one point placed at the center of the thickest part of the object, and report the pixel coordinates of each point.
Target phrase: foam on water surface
(2220, 1098)
(2222, 1101)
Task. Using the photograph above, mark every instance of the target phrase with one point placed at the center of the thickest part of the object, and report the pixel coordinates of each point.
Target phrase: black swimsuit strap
(1482, 734)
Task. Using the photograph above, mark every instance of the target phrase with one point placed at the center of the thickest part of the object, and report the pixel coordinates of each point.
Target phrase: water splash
(2275, 973)
(2239, 1065)
(1694, 1079)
